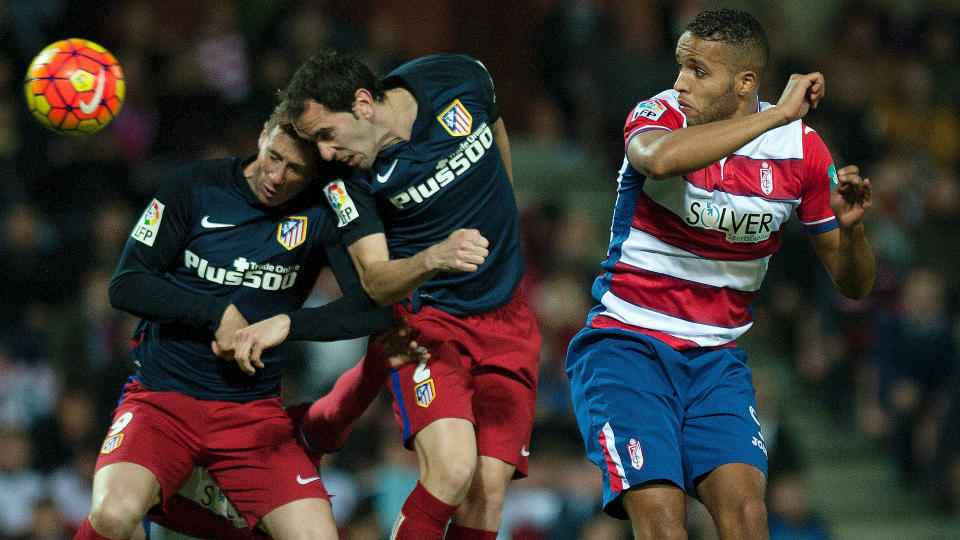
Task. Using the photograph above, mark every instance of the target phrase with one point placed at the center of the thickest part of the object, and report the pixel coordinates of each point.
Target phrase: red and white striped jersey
(687, 254)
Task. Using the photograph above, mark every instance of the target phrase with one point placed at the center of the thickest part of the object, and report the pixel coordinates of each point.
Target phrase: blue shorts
(648, 412)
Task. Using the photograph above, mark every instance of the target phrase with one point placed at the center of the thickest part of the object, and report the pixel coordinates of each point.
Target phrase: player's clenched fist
(463, 251)
(802, 93)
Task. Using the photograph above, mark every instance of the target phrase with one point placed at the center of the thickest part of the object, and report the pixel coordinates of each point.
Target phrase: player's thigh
(148, 442)
(446, 443)
(257, 462)
(629, 414)
(504, 404)
(725, 489)
(722, 427)
(439, 389)
(127, 485)
(304, 518)
(656, 509)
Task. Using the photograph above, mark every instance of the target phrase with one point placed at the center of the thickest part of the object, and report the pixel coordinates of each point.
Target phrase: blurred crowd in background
(201, 78)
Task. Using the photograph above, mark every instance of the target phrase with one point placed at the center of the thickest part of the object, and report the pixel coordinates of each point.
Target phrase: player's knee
(459, 474)
(662, 530)
(657, 517)
(115, 517)
(752, 513)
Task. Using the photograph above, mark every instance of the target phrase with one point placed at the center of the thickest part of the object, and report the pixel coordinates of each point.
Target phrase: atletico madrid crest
(456, 120)
(292, 231)
(111, 443)
(425, 392)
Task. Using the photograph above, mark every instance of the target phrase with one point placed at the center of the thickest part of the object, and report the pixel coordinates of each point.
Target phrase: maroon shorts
(248, 448)
(482, 368)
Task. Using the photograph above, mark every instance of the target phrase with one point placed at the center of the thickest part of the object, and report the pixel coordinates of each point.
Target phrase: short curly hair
(738, 29)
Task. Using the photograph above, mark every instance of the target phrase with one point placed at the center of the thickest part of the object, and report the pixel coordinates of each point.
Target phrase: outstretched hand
(802, 93)
(850, 198)
(225, 340)
(399, 346)
(463, 251)
(250, 342)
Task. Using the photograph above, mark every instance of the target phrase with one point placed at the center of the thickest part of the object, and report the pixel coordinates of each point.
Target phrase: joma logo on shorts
(470, 151)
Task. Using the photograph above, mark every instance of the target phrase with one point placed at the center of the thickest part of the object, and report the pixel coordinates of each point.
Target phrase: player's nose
(327, 152)
(276, 177)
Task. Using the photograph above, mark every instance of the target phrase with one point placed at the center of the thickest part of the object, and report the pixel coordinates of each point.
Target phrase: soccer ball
(74, 87)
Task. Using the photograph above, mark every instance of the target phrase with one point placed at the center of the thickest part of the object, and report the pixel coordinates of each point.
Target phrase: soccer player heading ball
(663, 396)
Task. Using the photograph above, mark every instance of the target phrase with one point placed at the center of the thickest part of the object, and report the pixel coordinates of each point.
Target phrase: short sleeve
(819, 176)
(649, 115)
(355, 207)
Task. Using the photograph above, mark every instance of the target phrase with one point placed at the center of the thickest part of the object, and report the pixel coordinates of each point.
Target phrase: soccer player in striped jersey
(663, 395)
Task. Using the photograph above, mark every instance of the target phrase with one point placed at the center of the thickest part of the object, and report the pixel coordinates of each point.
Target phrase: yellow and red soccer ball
(74, 87)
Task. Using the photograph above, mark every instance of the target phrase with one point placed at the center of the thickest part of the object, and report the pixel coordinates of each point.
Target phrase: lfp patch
(112, 443)
(145, 231)
(456, 120)
(425, 392)
(341, 202)
(292, 231)
(650, 109)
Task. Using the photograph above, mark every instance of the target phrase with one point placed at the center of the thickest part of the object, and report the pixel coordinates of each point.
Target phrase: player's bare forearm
(850, 200)
(856, 263)
(388, 281)
(664, 154)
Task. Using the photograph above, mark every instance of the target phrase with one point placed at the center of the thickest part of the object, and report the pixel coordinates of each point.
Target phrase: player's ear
(362, 103)
(746, 82)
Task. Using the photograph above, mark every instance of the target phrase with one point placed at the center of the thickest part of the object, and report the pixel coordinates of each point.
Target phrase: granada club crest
(292, 231)
(456, 120)
(636, 454)
(766, 178)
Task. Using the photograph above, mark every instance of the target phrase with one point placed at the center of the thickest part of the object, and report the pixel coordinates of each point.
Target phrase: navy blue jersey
(204, 242)
(448, 176)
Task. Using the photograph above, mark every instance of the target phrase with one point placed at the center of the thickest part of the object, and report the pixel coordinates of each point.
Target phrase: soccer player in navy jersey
(663, 396)
(224, 242)
(431, 222)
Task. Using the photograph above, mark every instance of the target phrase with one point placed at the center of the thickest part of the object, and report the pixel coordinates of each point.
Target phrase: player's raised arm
(664, 154)
(389, 280)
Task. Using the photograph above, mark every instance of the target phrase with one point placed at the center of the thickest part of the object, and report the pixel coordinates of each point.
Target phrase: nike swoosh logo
(422, 373)
(523, 451)
(88, 108)
(382, 178)
(305, 481)
(207, 224)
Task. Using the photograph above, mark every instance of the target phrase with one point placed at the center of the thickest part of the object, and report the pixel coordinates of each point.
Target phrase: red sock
(459, 532)
(329, 420)
(190, 518)
(423, 517)
(87, 532)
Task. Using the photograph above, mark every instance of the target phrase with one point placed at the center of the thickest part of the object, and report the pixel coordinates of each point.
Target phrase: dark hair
(738, 29)
(279, 120)
(329, 78)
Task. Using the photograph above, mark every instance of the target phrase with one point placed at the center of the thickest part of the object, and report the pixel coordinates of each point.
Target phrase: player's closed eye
(326, 134)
